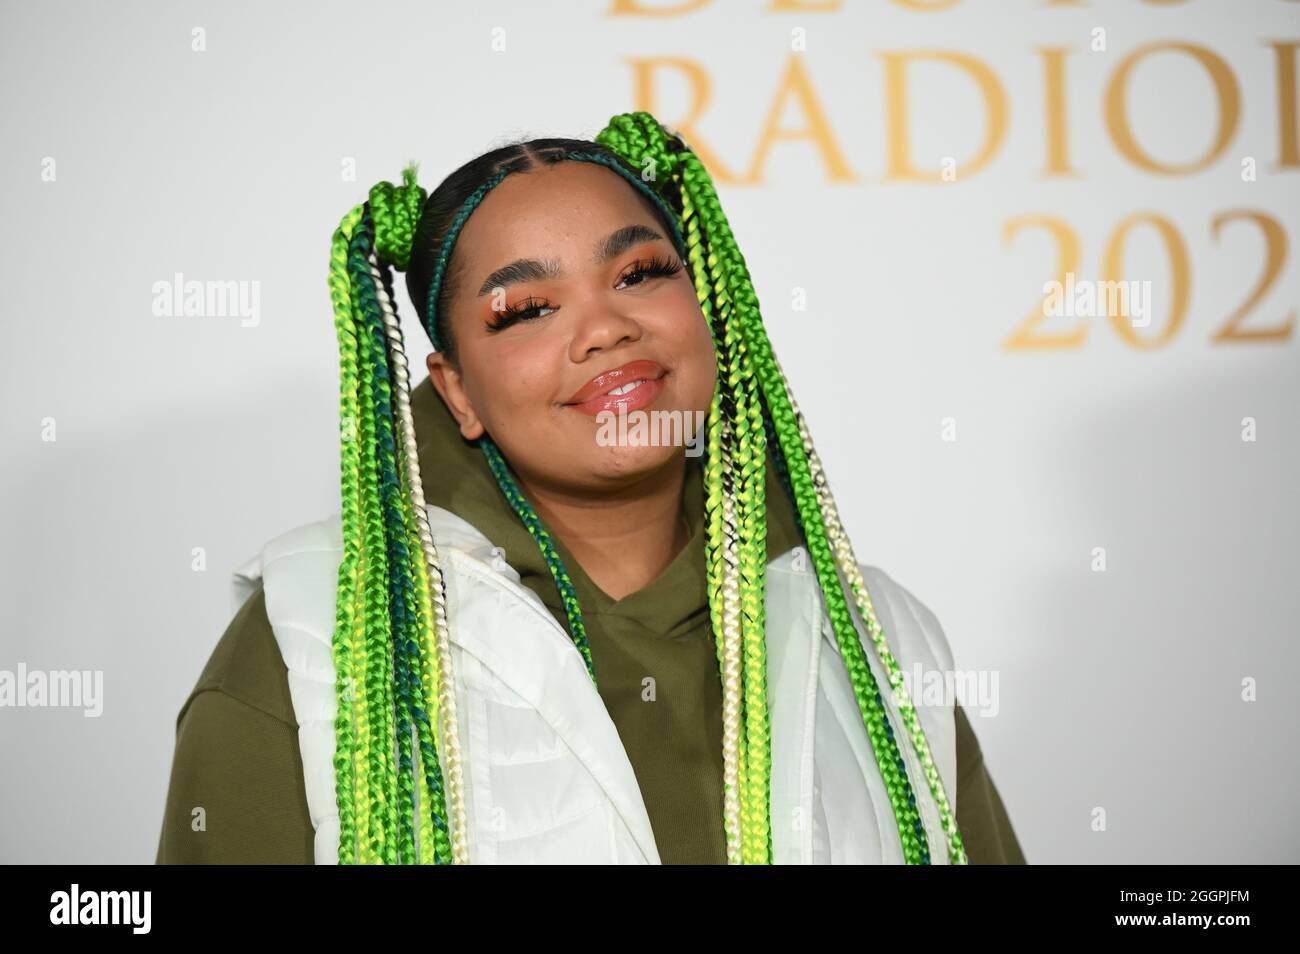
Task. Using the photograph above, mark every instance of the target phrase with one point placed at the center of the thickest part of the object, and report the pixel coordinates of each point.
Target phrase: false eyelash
(653, 268)
(504, 319)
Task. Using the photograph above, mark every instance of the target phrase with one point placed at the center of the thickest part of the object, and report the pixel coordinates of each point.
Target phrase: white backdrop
(1145, 709)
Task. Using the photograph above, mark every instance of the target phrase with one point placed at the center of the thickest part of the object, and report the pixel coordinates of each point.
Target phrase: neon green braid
(390, 648)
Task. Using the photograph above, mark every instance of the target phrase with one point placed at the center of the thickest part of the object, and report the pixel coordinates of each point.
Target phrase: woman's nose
(601, 328)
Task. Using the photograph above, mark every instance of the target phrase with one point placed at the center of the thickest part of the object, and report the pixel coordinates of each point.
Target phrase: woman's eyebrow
(534, 269)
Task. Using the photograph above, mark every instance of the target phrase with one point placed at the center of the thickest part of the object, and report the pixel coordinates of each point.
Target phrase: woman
(520, 643)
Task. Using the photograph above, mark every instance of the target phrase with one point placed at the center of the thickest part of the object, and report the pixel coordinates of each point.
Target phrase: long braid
(752, 444)
(397, 213)
(380, 604)
(776, 389)
(738, 506)
(892, 766)
(350, 713)
(371, 729)
(390, 647)
(720, 547)
(415, 838)
(748, 577)
(398, 532)
(408, 594)
(372, 598)
(426, 705)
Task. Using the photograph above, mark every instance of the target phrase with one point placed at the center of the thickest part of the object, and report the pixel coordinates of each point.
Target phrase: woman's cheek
(511, 373)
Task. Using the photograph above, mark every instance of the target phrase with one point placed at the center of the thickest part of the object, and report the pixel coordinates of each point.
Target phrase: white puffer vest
(546, 777)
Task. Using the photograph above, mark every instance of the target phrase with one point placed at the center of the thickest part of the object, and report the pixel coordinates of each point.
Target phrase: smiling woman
(592, 318)
(521, 642)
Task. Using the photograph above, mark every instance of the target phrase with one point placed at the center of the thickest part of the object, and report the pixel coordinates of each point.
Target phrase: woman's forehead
(569, 204)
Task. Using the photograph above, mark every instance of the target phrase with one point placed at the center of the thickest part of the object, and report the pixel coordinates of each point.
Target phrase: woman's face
(557, 258)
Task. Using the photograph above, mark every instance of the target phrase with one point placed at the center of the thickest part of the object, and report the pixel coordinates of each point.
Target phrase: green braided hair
(397, 761)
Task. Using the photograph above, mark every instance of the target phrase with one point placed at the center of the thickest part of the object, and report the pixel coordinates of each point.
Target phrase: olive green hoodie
(237, 754)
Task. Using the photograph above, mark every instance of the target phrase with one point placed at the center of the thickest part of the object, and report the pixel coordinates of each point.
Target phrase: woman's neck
(623, 541)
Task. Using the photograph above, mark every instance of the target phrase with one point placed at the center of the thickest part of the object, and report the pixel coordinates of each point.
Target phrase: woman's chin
(622, 463)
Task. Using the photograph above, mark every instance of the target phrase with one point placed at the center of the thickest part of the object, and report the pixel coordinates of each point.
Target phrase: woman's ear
(446, 380)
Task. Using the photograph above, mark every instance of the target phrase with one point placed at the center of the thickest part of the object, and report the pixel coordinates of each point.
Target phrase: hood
(456, 477)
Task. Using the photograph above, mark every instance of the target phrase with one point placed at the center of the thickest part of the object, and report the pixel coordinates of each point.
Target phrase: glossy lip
(593, 397)
(616, 378)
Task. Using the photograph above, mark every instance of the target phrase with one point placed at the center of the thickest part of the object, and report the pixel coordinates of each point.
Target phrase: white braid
(444, 717)
(727, 616)
(731, 654)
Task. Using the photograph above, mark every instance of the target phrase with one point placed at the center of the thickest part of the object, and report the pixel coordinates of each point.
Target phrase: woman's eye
(643, 271)
(526, 310)
(532, 311)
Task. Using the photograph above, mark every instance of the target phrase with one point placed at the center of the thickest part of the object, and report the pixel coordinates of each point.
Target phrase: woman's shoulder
(246, 664)
(235, 792)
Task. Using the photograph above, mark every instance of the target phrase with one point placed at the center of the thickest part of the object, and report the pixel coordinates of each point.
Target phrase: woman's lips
(645, 391)
(644, 377)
